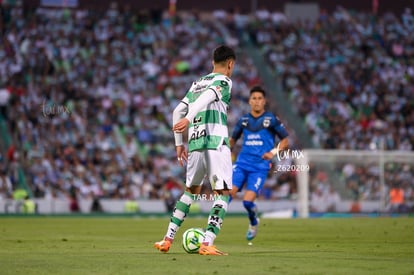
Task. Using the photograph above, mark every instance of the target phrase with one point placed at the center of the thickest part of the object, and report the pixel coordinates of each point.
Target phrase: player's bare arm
(181, 125)
(232, 143)
(281, 146)
(179, 112)
(182, 154)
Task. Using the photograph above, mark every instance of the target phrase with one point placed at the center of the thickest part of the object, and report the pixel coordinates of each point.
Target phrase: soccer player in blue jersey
(259, 129)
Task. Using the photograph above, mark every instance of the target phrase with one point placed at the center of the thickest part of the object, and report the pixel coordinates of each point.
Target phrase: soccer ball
(192, 239)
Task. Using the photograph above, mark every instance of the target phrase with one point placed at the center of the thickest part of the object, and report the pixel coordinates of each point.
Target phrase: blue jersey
(258, 138)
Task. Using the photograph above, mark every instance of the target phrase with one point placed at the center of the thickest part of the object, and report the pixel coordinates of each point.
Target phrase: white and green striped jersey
(208, 130)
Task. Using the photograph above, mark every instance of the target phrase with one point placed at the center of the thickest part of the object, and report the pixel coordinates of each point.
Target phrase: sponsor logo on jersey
(253, 140)
(254, 143)
(199, 88)
(253, 136)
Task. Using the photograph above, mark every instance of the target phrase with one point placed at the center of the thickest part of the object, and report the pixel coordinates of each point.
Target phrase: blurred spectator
(73, 200)
(173, 190)
(397, 200)
(4, 101)
(6, 187)
(324, 200)
(318, 203)
(332, 199)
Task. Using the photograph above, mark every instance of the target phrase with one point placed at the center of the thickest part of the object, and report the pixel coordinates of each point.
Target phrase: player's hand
(268, 156)
(182, 154)
(181, 125)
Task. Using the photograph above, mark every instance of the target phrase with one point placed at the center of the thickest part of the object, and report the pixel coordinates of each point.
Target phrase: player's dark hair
(223, 53)
(258, 89)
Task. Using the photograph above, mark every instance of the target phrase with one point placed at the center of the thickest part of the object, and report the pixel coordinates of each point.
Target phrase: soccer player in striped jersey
(259, 129)
(203, 111)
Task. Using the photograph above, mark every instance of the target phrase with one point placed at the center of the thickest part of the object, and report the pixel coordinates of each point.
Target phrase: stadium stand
(92, 94)
(87, 95)
(346, 71)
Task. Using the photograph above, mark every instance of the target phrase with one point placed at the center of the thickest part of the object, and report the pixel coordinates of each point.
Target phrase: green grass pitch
(124, 245)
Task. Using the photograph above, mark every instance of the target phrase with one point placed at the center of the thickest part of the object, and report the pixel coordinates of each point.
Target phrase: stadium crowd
(91, 98)
(88, 95)
(347, 71)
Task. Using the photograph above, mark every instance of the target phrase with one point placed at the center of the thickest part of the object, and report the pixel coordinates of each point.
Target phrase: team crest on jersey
(266, 122)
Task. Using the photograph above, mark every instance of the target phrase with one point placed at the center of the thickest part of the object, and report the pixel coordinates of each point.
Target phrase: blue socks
(251, 211)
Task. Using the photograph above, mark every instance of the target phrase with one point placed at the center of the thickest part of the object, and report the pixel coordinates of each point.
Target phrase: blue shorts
(254, 180)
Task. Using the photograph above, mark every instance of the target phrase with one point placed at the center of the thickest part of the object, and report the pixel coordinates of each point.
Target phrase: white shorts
(216, 164)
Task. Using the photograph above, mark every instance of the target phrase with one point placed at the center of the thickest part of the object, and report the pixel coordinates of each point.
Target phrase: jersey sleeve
(201, 102)
(185, 100)
(238, 130)
(222, 87)
(280, 129)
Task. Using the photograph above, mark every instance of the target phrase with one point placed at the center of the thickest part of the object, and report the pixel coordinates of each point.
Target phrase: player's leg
(220, 174)
(181, 209)
(249, 204)
(255, 182)
(251, 208)
(195, 174)
(239, 178)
